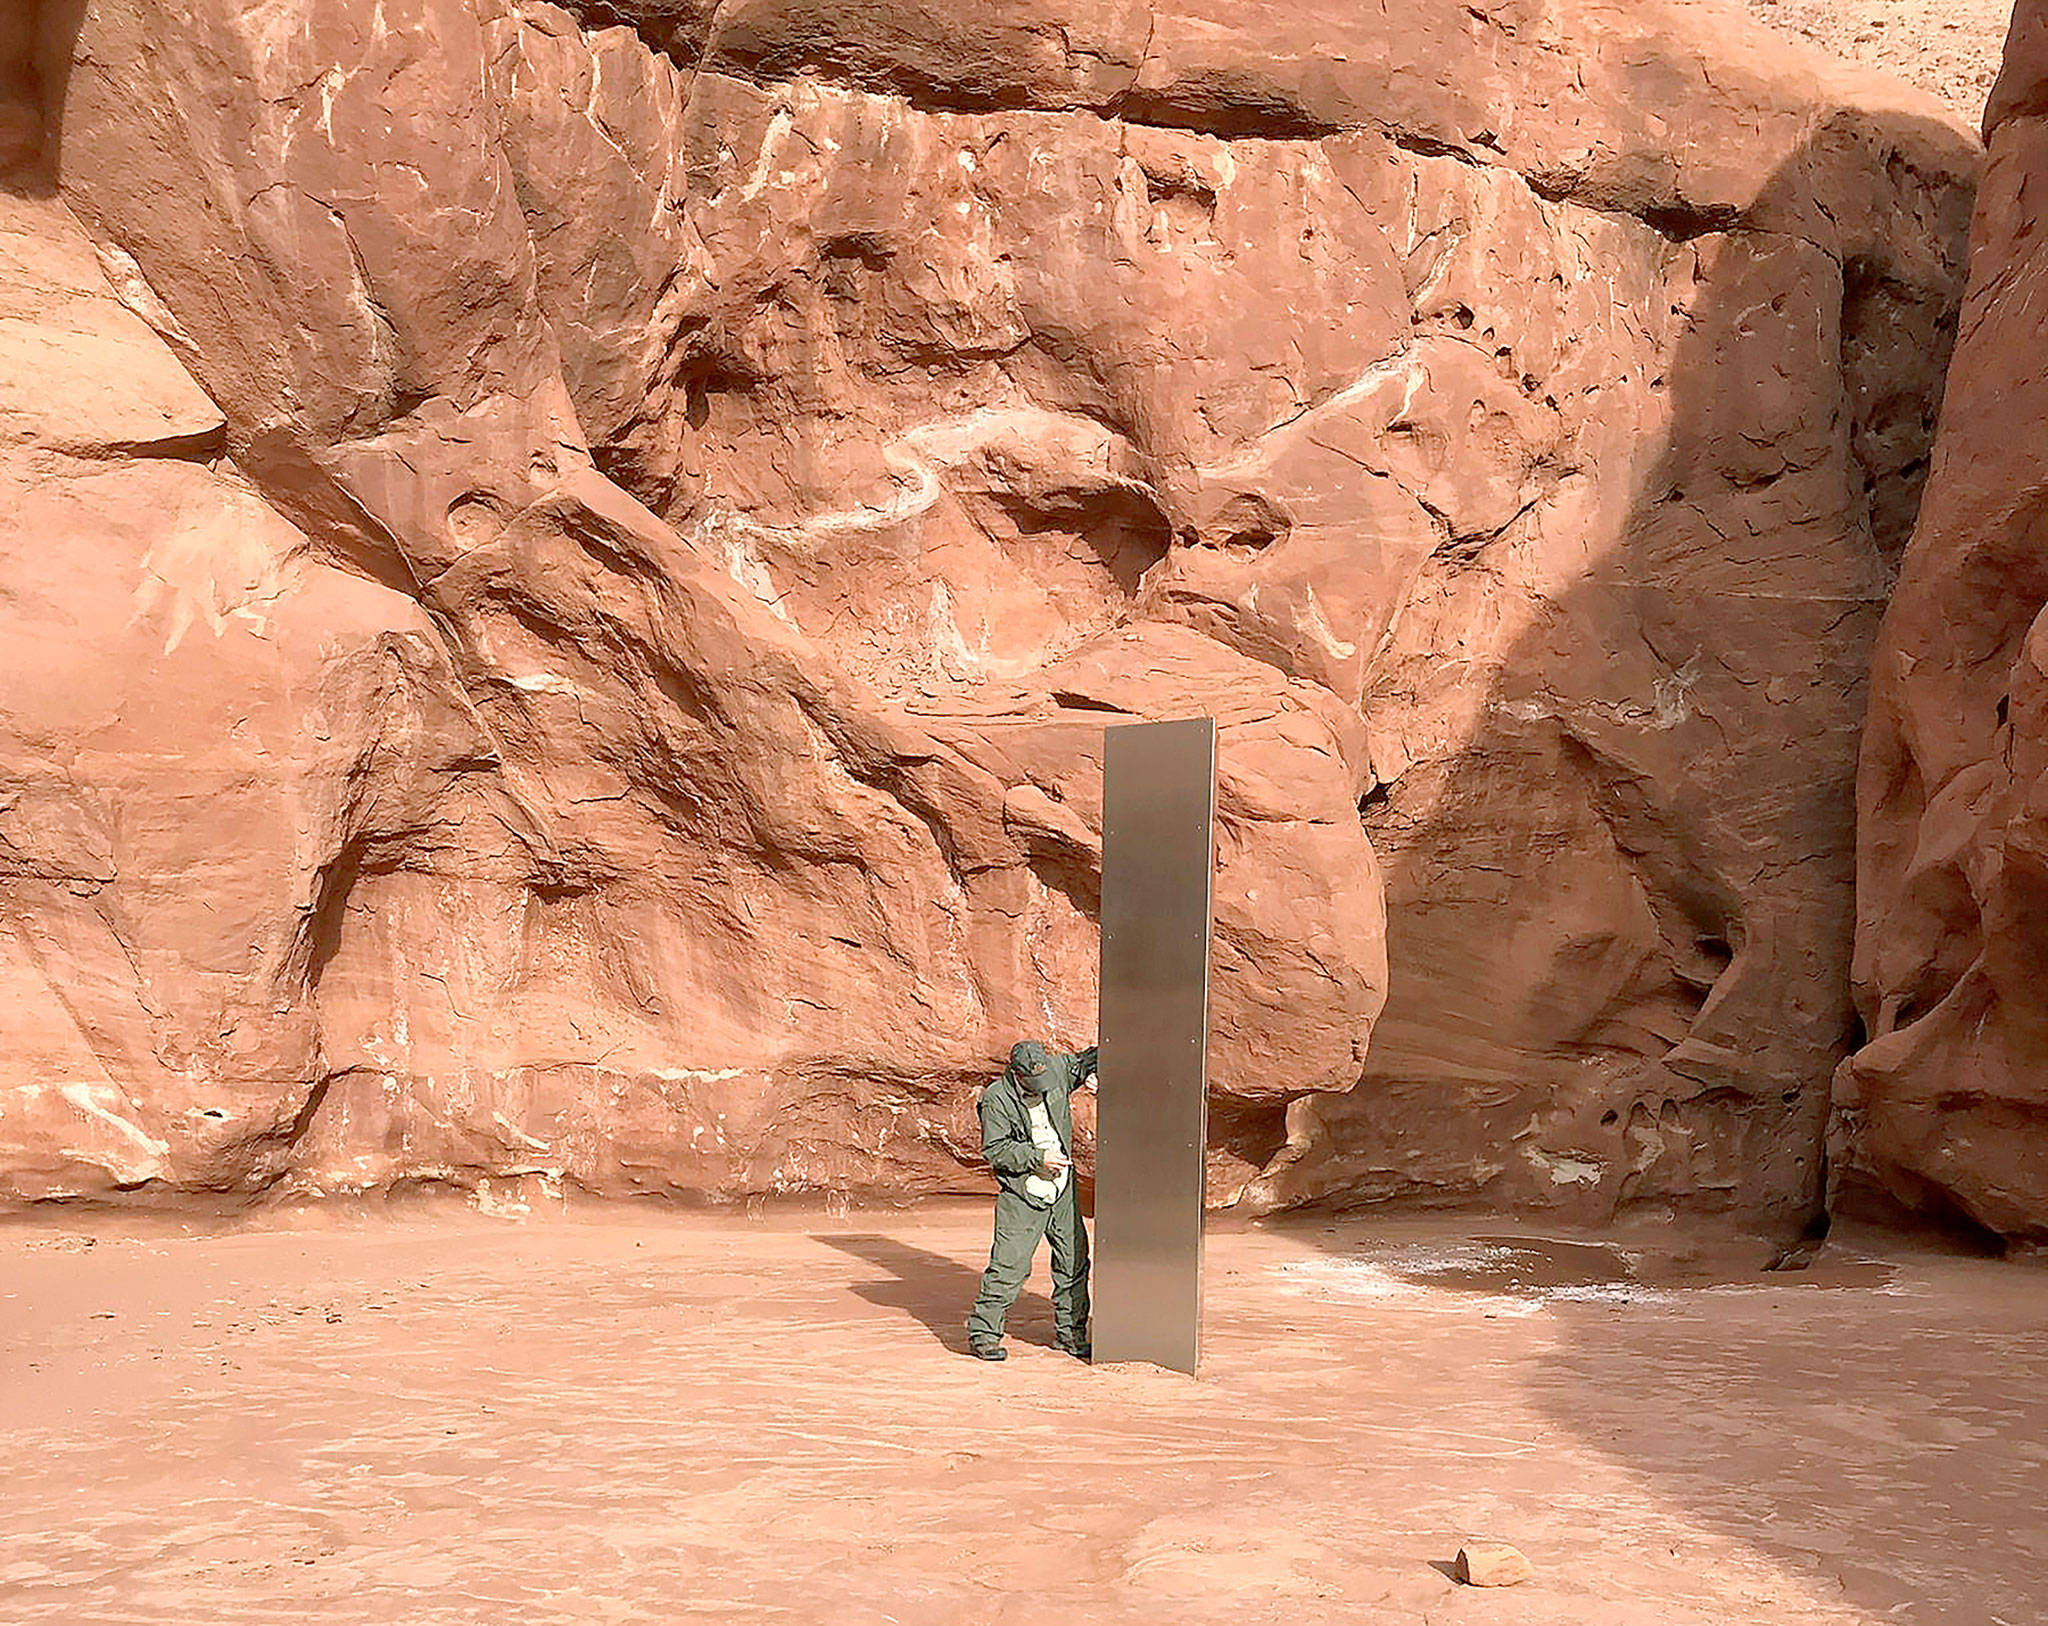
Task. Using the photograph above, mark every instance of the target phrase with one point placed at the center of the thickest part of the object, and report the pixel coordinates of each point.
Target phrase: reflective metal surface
(1159, 797)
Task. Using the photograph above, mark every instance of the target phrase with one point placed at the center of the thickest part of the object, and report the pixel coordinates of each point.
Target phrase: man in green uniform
(1027, 1135)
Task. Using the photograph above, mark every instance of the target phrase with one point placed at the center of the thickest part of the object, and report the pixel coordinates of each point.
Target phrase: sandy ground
(640, 1417)
(1948, 47)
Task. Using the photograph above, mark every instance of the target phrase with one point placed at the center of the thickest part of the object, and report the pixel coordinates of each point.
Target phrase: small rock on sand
(1492, 1563)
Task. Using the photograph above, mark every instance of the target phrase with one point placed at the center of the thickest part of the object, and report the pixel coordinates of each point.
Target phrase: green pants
(1019, 1225)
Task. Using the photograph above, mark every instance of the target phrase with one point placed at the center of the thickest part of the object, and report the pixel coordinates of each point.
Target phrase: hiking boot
(988, 1352)
(1080, 1349)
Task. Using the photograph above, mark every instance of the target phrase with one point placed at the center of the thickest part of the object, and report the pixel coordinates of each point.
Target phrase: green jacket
(1006, 1122)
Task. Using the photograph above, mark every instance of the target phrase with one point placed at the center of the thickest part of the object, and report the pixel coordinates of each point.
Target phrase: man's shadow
(938, 1291)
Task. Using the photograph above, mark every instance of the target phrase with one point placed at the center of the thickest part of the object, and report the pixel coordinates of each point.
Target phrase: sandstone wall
(567, 568)
(1946, 1107)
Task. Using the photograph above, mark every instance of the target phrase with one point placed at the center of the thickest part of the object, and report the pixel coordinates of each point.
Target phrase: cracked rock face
(565, 569)
(1945, 1109)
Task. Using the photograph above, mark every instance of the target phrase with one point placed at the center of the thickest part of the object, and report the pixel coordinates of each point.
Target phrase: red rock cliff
(564, 569)
(1946, 1107)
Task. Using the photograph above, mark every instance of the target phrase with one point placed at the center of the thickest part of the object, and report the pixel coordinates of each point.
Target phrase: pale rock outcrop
(753, 450)
(1950, 48)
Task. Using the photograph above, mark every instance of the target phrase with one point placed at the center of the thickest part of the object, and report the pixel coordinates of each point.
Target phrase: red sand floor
(630, 1416)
